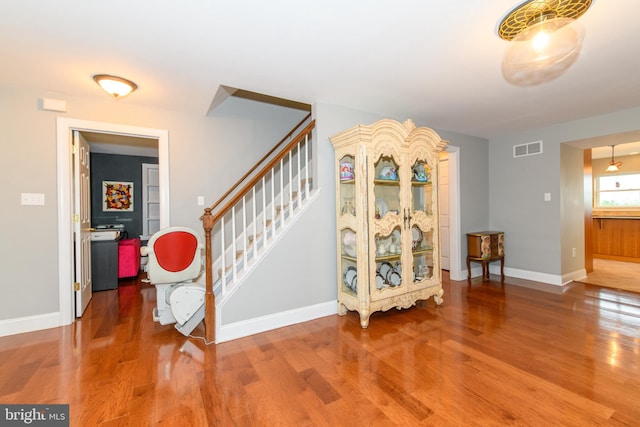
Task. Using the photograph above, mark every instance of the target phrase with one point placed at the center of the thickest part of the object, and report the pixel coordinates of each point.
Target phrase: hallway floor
(615, 274)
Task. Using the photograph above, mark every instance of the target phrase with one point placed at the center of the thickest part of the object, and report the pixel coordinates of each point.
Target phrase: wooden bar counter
(616, 236)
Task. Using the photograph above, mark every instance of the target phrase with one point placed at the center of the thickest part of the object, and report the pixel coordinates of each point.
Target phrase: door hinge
(76, 286)
(74, 149)
(76, 217)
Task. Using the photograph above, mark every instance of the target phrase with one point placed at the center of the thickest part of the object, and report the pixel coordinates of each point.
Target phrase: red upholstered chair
(175, 261)
(128, 258)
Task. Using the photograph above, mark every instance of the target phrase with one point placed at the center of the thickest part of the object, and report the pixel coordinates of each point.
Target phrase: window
(617, 191)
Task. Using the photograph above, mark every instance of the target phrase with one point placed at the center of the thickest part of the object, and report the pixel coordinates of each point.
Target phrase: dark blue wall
(113, 167)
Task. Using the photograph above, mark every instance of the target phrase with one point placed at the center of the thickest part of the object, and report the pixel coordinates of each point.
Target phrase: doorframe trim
(455, 252)
(64, 140)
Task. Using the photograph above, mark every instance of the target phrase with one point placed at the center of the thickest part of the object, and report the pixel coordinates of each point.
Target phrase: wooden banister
(209, 219)
(209, 297)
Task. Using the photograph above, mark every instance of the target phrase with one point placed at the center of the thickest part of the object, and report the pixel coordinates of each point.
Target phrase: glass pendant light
(545, 40)
(613, 165)
(542, 52)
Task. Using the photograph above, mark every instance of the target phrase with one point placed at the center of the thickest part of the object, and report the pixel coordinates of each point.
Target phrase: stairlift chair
(174, 261)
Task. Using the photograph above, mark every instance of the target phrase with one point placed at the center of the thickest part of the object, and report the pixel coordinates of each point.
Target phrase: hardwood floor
(615, 274)
(518, 353)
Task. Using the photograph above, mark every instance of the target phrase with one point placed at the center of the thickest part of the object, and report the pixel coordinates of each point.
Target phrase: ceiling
(436, 62)
(124, 145)
(620, 150)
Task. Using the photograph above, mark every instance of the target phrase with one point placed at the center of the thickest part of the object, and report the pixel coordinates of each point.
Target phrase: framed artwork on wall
(117, 196)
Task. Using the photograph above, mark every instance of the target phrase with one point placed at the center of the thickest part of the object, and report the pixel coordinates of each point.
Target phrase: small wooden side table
(485, 247)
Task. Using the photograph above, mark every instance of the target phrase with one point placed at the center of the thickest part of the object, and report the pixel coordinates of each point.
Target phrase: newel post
(210, 301)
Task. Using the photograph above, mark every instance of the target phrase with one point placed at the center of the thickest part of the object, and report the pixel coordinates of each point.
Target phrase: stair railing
(246, 185)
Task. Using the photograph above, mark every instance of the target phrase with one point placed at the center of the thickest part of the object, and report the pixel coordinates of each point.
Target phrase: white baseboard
(29, 324)
(248, 327)
(551, 279)
(575, 275)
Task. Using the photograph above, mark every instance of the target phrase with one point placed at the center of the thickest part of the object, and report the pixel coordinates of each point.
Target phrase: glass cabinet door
(348, 261)
(387, 228)
(421, 188)
(348, 239)
(388, 259)
(386, 187)
(422, 253)
(347, 186)
(421, 220)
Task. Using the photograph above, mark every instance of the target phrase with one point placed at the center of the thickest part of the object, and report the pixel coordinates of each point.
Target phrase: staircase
(247, 221)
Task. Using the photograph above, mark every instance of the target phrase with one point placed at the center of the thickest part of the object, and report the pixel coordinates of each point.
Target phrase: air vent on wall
(528, 149)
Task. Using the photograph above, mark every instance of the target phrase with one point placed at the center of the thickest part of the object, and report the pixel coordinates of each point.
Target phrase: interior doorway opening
(123, 203)
(65, 129)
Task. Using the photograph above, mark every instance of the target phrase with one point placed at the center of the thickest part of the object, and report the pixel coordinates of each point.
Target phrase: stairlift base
(164, 317)
(187, 327)
(162, 312)
(182, 304)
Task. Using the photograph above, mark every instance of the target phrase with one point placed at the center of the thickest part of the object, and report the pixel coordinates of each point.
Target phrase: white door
(443, 198)
(81, 222)
(150, 200)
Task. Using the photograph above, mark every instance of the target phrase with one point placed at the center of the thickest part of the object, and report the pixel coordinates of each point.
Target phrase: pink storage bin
(128, 258)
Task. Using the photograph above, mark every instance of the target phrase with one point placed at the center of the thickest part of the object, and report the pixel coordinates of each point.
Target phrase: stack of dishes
(388, 275)
(350, 278)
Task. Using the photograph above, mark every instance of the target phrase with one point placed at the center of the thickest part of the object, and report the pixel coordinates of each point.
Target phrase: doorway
(612, 257)
(453, 239)
(65, 128)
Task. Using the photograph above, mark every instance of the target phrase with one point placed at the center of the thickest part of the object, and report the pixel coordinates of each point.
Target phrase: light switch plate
(547, 197)
(32, 199)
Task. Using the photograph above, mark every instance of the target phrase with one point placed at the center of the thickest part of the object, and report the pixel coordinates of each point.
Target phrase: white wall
(474, 184)
(537, 233)
(571, 213)
(301, 271)
(207, 155)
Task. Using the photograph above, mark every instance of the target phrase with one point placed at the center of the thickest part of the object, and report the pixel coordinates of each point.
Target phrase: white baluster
(281, 192)
(223, 276)
(306, 164)
(244, 232)
(265, 243)
(255, 225)
(298, 173)
(273, 204)
(234, 246)
(290, 185)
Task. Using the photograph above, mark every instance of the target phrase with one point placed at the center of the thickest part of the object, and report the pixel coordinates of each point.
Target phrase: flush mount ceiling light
(545, 39)
(613, 165)
(115, 86)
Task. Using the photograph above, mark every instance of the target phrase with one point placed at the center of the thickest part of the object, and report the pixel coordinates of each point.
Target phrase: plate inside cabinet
(349, 275)
(395, 279)
(385, 269)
